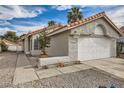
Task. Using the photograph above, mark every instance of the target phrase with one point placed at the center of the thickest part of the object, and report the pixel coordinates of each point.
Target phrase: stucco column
(26, 45)
(73, 48)
(32, 44)
(113, 47)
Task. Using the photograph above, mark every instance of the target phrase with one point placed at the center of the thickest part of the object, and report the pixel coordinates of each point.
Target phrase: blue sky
(23, 19)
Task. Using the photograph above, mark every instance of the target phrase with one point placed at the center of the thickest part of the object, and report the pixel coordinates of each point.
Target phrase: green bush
(119, 48)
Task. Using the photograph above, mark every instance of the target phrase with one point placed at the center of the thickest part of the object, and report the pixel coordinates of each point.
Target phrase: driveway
(7, 68)
(111, 66)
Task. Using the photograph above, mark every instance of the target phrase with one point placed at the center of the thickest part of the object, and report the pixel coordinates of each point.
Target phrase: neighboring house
(0, 45)
(121, 42)
(121, 39)
(91, 38)
(11, 46)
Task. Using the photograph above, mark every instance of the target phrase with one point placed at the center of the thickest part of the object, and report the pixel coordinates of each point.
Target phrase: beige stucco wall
(59, 44)
(90, 28)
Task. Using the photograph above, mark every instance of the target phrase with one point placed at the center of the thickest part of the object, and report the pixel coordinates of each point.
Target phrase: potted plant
(44, 43)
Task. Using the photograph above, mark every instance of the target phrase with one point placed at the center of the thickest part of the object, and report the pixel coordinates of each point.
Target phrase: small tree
(119, 48)
(44, 42)
(10, 35)
(51, 23)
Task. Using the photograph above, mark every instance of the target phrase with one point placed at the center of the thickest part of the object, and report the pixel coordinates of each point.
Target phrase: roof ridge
(44, 28)
(80, 22)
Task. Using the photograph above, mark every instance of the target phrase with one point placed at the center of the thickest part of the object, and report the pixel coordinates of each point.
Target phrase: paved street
(17, 70)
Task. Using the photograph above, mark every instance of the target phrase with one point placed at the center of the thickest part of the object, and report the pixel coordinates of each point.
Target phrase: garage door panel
(93, 48)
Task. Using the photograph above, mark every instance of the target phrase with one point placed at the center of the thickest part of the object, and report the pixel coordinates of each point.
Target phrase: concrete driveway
(7, 68)
(111, 66)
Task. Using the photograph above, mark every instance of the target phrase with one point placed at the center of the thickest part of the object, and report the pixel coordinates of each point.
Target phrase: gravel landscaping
(83, 79)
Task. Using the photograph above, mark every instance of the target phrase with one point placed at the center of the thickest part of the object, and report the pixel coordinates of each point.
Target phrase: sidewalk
(24, 71)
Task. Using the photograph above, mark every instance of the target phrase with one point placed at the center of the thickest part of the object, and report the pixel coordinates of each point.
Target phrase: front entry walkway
(112, 66)
(24, 71)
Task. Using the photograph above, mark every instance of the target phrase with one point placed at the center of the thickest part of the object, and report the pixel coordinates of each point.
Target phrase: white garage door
(94, 48)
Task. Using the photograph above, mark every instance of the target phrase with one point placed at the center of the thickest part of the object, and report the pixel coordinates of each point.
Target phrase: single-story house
(121, 39)
(11, 46)
(0, 45)
(91, 38)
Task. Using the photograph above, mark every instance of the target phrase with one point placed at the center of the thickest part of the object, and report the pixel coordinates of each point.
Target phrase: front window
(36, 45)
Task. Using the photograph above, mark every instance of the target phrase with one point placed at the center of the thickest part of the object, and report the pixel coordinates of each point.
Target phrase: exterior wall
(59, 44)
(33, 51)
(14, 48)
(90, 28)
(53, 60)
(73, 48)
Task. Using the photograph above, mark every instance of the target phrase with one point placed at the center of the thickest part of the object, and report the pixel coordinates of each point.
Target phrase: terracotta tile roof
(57, 26)
(91, 18)
(70, 26)
(76, 24)
(7, 42)
(122, 29)
(58, 29)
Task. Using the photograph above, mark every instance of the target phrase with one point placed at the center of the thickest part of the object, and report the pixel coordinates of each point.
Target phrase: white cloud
(62, 7)
(20, 29)
(10, 12)
(25, 29)
(117, 15)
(66, 7)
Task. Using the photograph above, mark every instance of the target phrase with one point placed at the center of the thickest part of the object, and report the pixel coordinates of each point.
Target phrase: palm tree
(51, 23)
(74, 15)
